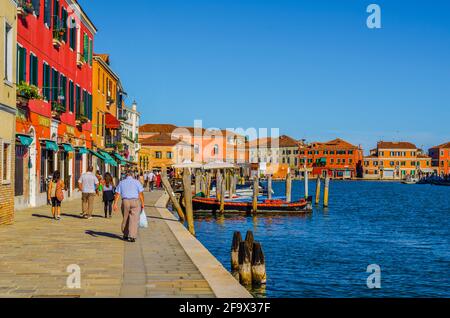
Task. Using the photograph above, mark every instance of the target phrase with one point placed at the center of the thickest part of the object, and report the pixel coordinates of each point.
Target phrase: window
(216, 150)
(33, 70)
(73, 34)
(71, 99)
(64, 17)
(8, 53)
(47, 13)
(78, 109)
(158, 155)
(169, 155)
(55, 85)
(6, 162)
(63, 91)
(46, 81)
(21, 64)
(196, 149)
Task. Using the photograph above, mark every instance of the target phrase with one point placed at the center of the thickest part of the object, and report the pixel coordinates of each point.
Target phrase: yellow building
(105, 125)
(8, 49)
(161, 152)
(396, 161)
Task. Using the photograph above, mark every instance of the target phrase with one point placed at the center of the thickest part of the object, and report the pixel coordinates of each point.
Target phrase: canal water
(404, 229)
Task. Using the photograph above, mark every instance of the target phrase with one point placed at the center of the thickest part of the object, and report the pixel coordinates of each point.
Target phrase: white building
(130, 121)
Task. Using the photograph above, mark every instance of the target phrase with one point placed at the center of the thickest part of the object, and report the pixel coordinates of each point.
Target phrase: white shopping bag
(143, 222)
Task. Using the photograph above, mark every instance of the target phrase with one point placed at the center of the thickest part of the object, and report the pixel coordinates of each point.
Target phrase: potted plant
(81, 120)
(57, 109)
(25, 92)
(24, 8)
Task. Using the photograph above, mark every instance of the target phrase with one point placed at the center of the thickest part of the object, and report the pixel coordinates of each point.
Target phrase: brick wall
(7, 190)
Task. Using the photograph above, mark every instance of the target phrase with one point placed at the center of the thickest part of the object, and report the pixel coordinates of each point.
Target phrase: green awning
(82, 150)
(96, 154)
(108, 159)
(51, 145)
(25, 140)
(68, 148)
(120, 158)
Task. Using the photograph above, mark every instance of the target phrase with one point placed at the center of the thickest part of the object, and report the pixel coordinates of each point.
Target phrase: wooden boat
(264, 207)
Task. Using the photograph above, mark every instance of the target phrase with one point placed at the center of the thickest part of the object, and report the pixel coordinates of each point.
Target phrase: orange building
(337, 159)
(440, 156)
(396, 161)
(208, 145)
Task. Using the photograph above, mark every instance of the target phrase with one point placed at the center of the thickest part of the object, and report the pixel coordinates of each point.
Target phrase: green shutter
(86, 48)
(21, 64)
(91, 49)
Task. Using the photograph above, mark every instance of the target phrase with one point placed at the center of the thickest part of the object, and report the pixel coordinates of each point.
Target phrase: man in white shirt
(151, 180)
(88, 185)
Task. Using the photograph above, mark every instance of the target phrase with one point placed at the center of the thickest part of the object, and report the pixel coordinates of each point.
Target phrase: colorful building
(396, 161)
(209, 145)
(55, 45)
(105, 125)
(129, 118)
(337, 158)
(160, 152)
(8, 46)
(275, 156)
(440, 156)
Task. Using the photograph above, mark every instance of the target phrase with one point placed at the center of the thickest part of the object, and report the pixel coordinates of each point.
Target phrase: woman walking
(55, 194)
(158, 180)
(108, 194)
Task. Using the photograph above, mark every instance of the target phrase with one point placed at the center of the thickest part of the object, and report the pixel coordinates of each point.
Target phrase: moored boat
(245, 206)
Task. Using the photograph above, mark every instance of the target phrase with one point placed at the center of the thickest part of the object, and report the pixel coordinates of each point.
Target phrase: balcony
(57, 109)
(113, 142)
(81, 120)
(80, 60)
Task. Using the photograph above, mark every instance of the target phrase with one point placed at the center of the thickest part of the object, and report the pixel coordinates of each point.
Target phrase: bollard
(288, 187)
(245, 264)
(237, 240)
(250, 239)
(306, 184)
(259, 275)
(326, 192)
(318, 185)
(255, 195)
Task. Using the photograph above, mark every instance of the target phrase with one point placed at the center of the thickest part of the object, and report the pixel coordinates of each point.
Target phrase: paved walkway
(36, 252)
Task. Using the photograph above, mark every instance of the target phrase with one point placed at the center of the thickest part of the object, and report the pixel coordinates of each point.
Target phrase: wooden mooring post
(237, 240)
(326, 192)
(288, 187)
(255, 195)
(198, 181)
(306, 184)
(208, 185)
(188, 200)
(245, 264)
(318, 186)
(222, 195)
(173, 199)
(259, 275)
(269, 187)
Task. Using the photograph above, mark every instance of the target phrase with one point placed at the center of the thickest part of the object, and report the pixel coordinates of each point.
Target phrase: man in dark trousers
(132, 193)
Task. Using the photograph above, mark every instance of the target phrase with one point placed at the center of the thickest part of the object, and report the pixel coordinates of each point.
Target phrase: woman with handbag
(55, 194)
(108, 194)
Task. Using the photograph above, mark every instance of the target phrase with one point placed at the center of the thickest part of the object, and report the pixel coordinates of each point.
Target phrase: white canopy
(188, 164)
(219, 165)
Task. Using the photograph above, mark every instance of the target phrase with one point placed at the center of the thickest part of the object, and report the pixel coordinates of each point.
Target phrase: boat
(411, 180)
(245, 205)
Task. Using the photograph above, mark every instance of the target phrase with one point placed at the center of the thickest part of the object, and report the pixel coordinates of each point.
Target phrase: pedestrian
(151, 180)
(132, 193)
(141, 178)
(55, 194)
(108, 194)
(88, 185)
(158, 180)
(145, 179)
(100, 182)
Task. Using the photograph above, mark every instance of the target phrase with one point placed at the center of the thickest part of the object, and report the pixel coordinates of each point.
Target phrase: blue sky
(311, 68)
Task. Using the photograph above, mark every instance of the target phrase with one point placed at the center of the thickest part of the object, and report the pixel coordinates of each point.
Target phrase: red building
(441, 158)
(55, 45)
(337, 159)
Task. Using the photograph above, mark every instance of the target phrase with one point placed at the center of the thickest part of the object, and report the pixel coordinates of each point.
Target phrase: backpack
(60, 191)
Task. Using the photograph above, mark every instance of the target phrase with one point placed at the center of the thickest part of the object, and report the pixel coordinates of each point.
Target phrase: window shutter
(47, 12)
(36, 7)
(86, 48)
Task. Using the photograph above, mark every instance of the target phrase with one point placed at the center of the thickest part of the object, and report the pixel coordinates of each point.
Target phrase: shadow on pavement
(104, 234)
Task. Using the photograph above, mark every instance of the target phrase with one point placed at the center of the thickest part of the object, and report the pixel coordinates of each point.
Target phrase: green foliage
(28, 91)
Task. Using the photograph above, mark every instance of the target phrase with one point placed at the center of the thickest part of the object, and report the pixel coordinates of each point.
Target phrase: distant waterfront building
(8, 52)
(129, 118)
(55, 41)
(337, 158)
(396, 161)
(275, 156)
(440, 156)
(160, 152)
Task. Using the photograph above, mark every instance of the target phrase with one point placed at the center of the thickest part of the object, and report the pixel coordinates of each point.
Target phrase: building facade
(129, 119)
(337, 158)
(440, 156)
(8, 52)
(275, 156)
(396, 161)
(160, 152)
(55, 44)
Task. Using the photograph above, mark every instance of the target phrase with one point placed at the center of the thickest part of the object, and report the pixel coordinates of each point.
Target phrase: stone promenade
(167, 261)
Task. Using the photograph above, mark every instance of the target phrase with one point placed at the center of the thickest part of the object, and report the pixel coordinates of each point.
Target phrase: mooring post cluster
(247, 260)
(325, 193)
